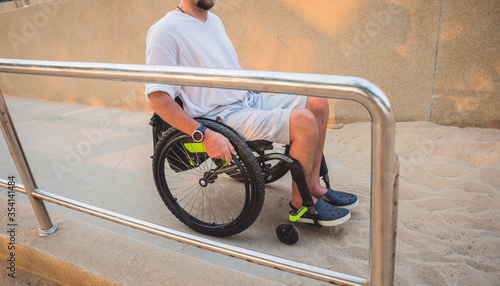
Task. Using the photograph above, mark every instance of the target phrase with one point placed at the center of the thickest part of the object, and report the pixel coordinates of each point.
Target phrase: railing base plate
(47, 232)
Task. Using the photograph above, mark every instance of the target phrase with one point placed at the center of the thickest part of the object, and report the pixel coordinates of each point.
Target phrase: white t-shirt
(182, 40)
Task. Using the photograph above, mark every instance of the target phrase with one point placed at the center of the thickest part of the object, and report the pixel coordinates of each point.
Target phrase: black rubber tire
(198, 205)
(287, 233)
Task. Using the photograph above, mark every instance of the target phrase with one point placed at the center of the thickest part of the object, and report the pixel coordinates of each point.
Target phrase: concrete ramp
(83, 254)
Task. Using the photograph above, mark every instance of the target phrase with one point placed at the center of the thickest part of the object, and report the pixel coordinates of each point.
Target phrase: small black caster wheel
(288, 233)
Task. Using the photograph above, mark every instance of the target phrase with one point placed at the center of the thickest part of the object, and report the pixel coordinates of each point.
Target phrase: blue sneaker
(340, 199)
(328, 215)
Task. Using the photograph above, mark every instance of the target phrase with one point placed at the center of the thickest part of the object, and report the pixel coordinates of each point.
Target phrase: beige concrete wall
(86, 31)
(467, 77)
(432, 60)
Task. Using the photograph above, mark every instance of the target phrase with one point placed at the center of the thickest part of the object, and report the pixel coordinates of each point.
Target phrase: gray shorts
(261, 116)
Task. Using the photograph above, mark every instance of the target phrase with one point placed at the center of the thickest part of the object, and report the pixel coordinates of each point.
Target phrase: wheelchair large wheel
(198, 189)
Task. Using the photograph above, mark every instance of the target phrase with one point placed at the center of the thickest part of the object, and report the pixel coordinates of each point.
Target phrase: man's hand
(218, 146)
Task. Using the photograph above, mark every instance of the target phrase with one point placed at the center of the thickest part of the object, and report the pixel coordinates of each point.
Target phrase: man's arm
(216, 145)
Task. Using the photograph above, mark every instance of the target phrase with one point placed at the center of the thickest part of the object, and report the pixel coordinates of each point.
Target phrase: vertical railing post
(383, 209)
(16, 150)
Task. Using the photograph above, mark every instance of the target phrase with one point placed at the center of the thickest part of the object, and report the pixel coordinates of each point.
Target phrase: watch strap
(202, 128)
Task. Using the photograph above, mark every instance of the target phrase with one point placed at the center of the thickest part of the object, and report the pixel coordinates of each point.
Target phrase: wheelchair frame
(287, 232)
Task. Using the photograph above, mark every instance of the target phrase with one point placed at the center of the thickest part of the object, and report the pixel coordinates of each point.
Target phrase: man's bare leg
(304, 140)
(319, 107)
(311, 162)
(307, 133)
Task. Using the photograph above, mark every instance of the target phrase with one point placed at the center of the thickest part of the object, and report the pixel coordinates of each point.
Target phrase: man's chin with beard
(205, 4)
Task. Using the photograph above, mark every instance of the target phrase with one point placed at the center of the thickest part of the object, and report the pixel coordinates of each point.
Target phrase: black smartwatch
(199, 134)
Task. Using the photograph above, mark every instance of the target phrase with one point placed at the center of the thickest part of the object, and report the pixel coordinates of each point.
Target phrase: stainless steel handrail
(383, 196)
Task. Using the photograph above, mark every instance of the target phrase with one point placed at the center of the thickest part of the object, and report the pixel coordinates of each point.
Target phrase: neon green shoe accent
(294, 218)
(195, 147)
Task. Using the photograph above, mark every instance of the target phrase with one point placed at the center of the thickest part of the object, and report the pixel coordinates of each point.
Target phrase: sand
(449, 205)
(449, 198)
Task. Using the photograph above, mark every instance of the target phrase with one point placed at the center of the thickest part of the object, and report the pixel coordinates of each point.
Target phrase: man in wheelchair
(192, 36)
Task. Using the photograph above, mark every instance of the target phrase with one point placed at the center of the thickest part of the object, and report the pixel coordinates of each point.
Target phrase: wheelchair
(220, 198)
